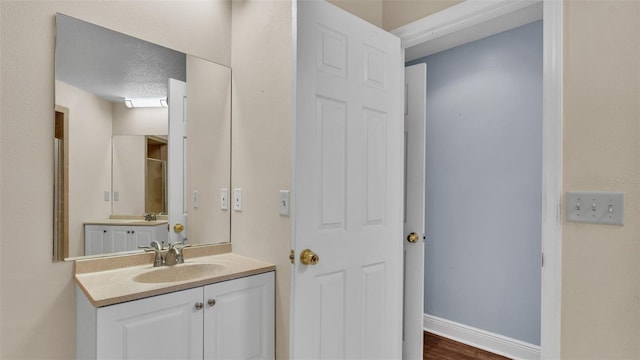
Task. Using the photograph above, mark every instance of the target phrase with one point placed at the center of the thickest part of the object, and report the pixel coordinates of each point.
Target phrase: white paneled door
(177, 155)
(415, 79)
(348, 188)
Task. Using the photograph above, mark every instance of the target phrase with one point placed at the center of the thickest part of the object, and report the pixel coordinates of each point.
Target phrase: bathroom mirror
(113, 154)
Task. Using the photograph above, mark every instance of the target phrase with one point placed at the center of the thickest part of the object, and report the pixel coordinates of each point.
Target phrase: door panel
(176, 164)
(347, 188)
(415, 120)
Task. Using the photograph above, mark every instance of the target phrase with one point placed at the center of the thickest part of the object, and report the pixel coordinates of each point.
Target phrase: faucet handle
(178, 245)
(174, 254)
(157, 248)
(154, 246)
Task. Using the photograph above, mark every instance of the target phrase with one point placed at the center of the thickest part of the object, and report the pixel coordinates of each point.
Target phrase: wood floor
(437, 347)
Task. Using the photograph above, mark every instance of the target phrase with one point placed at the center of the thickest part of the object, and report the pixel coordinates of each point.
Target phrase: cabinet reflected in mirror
(117, 148)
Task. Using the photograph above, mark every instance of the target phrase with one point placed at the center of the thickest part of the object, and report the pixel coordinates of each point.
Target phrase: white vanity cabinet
(104, 239)
(232, 319)
(241, 322)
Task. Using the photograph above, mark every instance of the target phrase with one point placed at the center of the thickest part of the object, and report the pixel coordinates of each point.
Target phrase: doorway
(61, 184)
(468, 21)
(483, 153)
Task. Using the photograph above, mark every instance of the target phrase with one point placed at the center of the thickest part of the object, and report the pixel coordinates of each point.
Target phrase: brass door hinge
(292, 256)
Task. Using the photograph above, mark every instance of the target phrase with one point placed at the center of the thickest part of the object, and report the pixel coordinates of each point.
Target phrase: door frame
(458, 20)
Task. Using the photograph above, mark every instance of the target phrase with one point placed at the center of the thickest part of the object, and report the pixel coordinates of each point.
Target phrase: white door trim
(466, 15)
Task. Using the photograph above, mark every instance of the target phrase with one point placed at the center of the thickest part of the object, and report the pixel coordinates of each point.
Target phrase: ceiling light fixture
(145, 102)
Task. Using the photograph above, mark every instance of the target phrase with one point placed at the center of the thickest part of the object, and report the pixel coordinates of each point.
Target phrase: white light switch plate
(195, 199)
(595, 207)
(237, 199)
(284, 203)
(224, 199)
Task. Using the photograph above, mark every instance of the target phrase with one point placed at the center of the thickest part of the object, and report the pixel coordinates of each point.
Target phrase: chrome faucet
(155, 246)
(174, 254)
(150, 217)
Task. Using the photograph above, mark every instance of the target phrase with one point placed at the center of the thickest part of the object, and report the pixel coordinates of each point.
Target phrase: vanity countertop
(125, 222)
(110, 284)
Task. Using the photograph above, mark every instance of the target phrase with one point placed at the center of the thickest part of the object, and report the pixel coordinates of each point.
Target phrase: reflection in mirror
(112, 152)
(139, 174)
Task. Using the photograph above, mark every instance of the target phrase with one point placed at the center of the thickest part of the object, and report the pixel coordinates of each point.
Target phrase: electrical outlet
(595, 207)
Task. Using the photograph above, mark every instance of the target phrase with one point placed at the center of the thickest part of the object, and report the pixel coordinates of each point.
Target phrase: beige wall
(91, 123)
(369, 10)
(129, 153)
(397, 13)
(128, 175)
(261, 106)
(208, 149)
(37, 296)
(90, 119)
(392, 14)
(601, 264)
(139, 121)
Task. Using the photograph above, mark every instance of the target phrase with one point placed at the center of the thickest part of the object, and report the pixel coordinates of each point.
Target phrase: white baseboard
(481, 339)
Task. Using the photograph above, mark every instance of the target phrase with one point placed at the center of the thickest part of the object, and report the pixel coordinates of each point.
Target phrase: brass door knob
(308, 257)
(178, 227)
(413, 237)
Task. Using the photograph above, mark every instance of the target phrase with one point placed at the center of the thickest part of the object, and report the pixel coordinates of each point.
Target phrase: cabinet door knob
(199, 306)
(211, 302)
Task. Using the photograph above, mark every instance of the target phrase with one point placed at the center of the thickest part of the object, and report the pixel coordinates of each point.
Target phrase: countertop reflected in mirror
(112, 139)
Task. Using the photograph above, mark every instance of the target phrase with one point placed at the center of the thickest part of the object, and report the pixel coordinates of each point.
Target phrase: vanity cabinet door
(119, 239)
(240, 323)
(105, 239)
(161, 327)
(94, 236)
(141, 236)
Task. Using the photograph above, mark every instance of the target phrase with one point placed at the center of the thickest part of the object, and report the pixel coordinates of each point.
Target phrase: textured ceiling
(112, 65)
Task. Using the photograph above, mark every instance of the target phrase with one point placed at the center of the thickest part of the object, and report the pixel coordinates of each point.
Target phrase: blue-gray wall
(483, 191)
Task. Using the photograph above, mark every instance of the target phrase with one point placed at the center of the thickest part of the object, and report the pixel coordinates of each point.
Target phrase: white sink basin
(179, 272)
